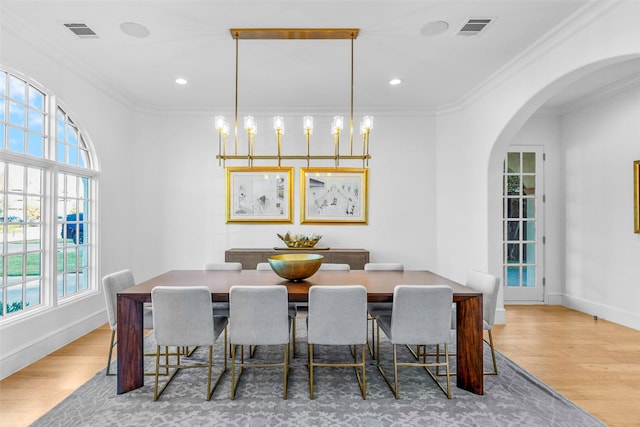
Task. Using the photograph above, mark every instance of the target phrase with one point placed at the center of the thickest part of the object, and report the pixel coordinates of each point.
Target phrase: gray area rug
(513, 398)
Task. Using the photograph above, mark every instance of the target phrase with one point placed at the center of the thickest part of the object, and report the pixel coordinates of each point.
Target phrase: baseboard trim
(602, 311)
(35, 350)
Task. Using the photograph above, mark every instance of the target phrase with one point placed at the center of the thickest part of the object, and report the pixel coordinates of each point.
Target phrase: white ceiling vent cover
(81, 30)
(474, 26)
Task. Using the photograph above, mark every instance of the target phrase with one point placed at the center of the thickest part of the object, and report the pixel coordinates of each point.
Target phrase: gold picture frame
(333, 195)
(259, 195)
(636, 196)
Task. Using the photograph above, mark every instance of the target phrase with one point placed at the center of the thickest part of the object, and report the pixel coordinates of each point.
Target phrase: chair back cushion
(337, 315)
(421, 314)
(489, 285)
(114, 283)
(182, 315)
(385, 266)
(235, 266)
(335, 267)
(259, 315)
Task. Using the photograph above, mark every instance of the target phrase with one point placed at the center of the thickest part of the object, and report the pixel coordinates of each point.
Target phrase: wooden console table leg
(130, 344)
(469, 359)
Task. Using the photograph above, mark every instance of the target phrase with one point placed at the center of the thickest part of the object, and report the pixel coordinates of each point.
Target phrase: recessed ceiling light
(135, 30)
(434, 28)
(395, 81)
(181, 81)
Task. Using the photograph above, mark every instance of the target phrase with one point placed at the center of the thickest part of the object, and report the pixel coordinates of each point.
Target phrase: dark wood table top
(379, 284)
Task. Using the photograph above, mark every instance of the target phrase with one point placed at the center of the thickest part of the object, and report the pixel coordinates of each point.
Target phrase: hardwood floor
(596, 364)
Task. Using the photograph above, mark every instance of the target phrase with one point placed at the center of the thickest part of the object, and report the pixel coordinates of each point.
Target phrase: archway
(518, 121)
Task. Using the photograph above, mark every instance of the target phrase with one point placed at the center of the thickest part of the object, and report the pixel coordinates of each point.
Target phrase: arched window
(47, 187)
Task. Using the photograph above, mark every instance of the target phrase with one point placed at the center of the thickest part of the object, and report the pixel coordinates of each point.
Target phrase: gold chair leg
(421, 351)
(234, 381)
(310, 353)
(395, 370)
(210, 390)
(379, 366)
(361, 377)
(286, 369)
(157, 393)
(293, 336)
(493, 356)
(111, 345)
(433, 376)
(370, 344)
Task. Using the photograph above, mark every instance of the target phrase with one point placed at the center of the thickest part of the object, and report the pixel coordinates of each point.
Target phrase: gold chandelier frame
(293, 34)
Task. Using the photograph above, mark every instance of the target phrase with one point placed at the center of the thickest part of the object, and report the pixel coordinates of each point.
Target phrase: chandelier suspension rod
(351, 113)
(236, 113)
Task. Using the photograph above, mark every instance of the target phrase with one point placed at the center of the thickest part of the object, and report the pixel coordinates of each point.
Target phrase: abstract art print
(259, 194)
(333, 195)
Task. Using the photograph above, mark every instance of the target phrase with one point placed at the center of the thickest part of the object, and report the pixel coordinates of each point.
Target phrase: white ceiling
(191, 39)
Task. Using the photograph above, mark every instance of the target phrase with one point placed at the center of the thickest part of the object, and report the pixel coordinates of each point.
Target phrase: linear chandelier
(250, 126)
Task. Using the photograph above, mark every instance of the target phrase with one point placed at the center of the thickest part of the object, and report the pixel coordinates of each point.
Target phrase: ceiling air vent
(81, 30)
(474, 26)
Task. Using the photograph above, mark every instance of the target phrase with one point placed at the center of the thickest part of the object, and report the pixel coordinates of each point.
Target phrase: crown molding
(15, 26)
(568, 27)
(600, 95)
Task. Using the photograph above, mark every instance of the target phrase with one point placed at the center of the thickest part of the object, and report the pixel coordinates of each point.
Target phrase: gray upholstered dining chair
(293, 309)
(112, 284)
(229, 266)
(222, 307)
(489, 285)
(263, 266)
(378, 266)
(183, 317)
(338, 316)
(334, 267)
(384, 266)
(421, 315)
(260, 317)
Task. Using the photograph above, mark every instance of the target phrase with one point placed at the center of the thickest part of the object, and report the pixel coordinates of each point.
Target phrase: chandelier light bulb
(367, 121)
(338, 123)
(363, 128)
(225, 128)
(219, 122)
(249, 124)
(278, 124)
(307, 124)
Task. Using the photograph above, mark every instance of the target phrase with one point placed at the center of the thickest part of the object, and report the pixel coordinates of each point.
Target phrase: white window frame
(49, 221)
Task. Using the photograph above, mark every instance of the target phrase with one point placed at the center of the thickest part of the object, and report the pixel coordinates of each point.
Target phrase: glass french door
(523, 238)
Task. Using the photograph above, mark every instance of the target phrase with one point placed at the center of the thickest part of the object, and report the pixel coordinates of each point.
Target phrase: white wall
(602, 252)
(190, 199)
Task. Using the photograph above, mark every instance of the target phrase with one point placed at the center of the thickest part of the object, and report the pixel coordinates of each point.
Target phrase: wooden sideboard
(250, 257)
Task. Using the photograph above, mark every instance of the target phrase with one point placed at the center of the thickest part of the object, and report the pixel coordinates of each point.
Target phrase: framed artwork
(636, 196)
(260, 194)
(333, 195)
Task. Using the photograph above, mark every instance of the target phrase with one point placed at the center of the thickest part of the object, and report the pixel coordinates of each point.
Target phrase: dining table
(379, 285)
